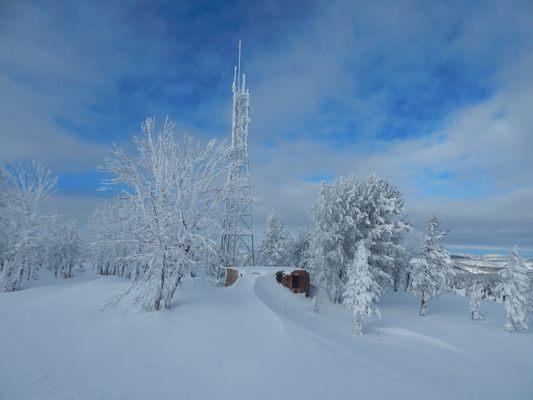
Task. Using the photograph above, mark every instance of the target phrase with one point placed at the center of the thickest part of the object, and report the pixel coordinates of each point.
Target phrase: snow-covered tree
(64, 248)
(430, 272)
(300, 248)
(28, 186)
(362, 290)
(174, 197)
(476, 295)
(413, 242)
(515, 286)
(276, 245)
(4, 202)
(314, 305)
(349, 210)
(111, 244)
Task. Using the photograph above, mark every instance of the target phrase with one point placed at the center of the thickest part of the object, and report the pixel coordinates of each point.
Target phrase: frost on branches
(276, 246)
(25, 186)
(413, 242)
(111, 239)
(30, 239)
(64, 249)
(349, 210)
(362, 290)
(169, 209)
(514, 288)
(300, 248)
(476, 295)
(430, 272)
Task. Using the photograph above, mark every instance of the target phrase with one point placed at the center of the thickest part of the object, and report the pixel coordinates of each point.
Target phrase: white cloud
(50, 68)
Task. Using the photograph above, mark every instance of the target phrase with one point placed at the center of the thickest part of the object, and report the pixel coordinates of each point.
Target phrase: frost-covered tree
(362, 290)
(476, 295)
(4, 202)
(514, 287)
(110, 239)
(300, 248)
(63, 248)
(28, 186)
(276, 245)
(347, 211)
(413, 242)
(314, 304)
(172, 201)
(430, 272)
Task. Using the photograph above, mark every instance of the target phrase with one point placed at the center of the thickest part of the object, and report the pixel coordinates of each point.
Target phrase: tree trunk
(358, 324)
(18, 281)
(408, 281)
(423, 305)
(159, 294)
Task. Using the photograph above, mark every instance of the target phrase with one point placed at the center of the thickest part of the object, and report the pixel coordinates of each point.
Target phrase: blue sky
(434, 96)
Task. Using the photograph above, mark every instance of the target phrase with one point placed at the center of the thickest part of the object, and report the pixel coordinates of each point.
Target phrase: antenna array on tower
(237, 245)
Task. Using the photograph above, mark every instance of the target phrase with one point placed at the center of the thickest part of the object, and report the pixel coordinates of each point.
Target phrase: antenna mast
(237, 244)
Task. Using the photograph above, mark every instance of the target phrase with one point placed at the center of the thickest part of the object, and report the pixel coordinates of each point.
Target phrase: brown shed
(298, 281)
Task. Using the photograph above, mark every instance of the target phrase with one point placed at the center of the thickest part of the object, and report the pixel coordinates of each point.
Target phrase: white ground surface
(254, 340)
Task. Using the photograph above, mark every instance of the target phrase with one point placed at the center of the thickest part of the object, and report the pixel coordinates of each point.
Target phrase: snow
(483, 264)
(252, 340)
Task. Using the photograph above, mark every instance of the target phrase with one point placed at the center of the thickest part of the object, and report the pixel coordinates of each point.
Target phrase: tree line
(164, 224)
(33, 240)
(360, 244)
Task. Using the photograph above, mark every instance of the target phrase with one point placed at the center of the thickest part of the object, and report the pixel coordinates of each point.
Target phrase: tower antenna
(239, 68)
(237, 244)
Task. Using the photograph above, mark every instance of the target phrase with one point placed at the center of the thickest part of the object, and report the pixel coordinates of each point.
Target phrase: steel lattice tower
(237, 243)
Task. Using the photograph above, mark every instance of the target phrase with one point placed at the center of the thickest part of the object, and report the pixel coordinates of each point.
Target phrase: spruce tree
(476, 294)
(514, 287)
(276, 247)
(430, 272)
(348, 210)
(362, 290)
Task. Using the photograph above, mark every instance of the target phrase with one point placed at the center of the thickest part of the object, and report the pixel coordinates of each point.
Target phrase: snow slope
(253, 340)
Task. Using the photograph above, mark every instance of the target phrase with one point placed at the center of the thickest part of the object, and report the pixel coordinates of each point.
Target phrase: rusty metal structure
(298, 281)
(231, 276)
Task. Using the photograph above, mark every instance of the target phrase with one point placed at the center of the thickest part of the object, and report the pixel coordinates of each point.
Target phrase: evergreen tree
(276, 246)
(514, 287)
(362, 289)
(300, 248)
(430, 272)
(349, 210)
(476, 294)
(413, 242)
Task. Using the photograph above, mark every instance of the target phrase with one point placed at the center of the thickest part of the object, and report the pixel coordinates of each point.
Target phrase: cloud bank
(435, 97)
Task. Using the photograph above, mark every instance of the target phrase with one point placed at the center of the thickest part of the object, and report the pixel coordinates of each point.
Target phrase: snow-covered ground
(253, 340)
(482, 264)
